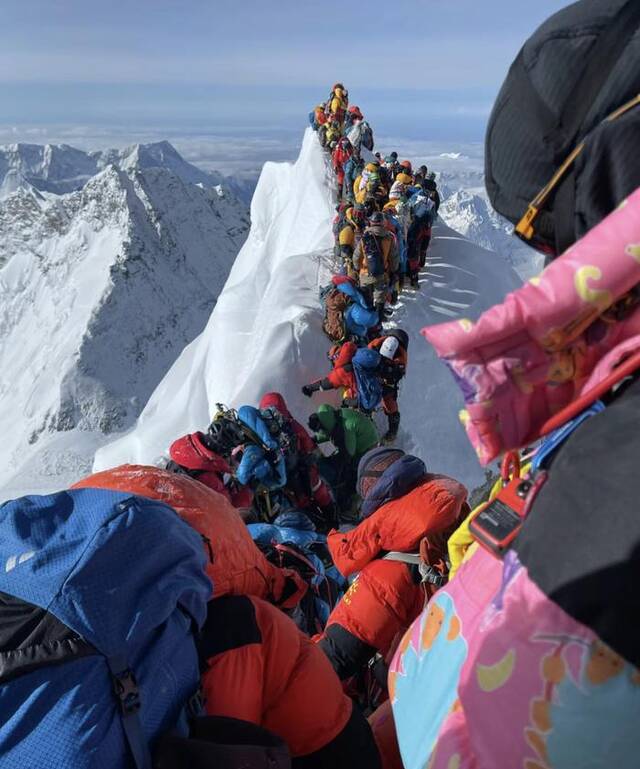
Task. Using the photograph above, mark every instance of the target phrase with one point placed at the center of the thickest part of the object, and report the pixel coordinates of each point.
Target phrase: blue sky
(420, 69)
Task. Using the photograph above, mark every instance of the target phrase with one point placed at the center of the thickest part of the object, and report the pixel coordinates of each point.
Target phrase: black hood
(576, 69)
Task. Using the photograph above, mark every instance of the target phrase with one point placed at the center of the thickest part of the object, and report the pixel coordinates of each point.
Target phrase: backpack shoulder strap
(427, 572)
(126, 690)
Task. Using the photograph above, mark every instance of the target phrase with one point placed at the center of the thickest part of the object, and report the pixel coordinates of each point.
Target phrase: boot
(394, 424)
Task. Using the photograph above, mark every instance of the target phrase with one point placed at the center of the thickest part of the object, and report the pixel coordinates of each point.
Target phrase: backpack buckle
(195, 705)
(125, 687)
(431, 575)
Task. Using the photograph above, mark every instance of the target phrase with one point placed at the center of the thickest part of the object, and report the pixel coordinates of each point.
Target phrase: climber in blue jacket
(263, 461)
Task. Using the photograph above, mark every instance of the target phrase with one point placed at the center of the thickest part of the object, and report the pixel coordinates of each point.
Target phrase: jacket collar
(550, 342)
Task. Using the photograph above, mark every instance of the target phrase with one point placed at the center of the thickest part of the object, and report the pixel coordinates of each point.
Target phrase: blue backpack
(262, 459)
(99, 595)
(290, 543)
(358, 320)
(366, 364)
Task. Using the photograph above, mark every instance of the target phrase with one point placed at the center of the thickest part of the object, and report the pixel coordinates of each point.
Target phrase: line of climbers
(145, 625)
(382, 230)
(385, 211)
(307, 569)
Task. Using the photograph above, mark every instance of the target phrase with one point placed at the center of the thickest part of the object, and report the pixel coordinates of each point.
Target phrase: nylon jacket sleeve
(347, 236)
(332, 381)
(350, 436)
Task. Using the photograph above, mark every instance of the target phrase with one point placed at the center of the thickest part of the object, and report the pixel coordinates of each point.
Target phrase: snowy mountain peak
(56, 168)
(101, 288)
(60, 168)
(157, 155)
(467, 210)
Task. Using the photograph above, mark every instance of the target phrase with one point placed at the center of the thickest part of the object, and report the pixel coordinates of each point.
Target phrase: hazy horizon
(244, 77)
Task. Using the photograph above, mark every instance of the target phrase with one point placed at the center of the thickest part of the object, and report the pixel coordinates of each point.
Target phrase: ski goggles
(525, 228)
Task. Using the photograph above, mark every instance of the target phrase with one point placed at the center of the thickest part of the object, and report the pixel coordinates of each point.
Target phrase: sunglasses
(525, 228)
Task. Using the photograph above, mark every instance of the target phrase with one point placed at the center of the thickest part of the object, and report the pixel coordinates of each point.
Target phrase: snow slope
(100, 291)
(460, 280)
(470, 213)
(265, 332)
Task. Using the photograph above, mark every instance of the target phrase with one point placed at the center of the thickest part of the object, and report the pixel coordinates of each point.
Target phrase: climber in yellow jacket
(347, 238)
(368, 186)
(338, 104)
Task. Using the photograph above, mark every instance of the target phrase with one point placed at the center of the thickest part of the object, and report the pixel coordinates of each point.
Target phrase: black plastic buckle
(195, 705)
(126, 690)
(429, 574)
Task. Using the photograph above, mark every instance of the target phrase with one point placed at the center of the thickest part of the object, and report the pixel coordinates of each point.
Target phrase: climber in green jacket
(353, 434)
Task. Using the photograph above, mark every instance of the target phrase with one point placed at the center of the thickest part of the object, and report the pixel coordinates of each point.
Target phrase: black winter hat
(581, 65)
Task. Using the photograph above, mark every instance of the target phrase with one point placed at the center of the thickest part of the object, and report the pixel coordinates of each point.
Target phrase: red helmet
(406, 164)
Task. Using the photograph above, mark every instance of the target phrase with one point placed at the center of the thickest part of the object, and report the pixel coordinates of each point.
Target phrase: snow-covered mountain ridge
(102, 287)
(470, 213)
(100, 290)
(60, 168)
(265, 331)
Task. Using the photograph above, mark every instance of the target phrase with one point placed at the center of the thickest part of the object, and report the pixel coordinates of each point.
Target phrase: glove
(308, 390)
(458, 544)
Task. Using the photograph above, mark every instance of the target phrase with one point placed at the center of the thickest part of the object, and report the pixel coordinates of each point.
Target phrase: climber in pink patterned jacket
(530, 656)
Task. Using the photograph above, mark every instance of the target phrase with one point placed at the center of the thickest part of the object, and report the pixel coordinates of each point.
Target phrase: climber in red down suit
(191, 455)
(405, 510)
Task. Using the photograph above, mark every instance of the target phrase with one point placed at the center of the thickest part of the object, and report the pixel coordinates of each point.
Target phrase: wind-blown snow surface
(265, 332)
(100, 291)
(460, 280)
